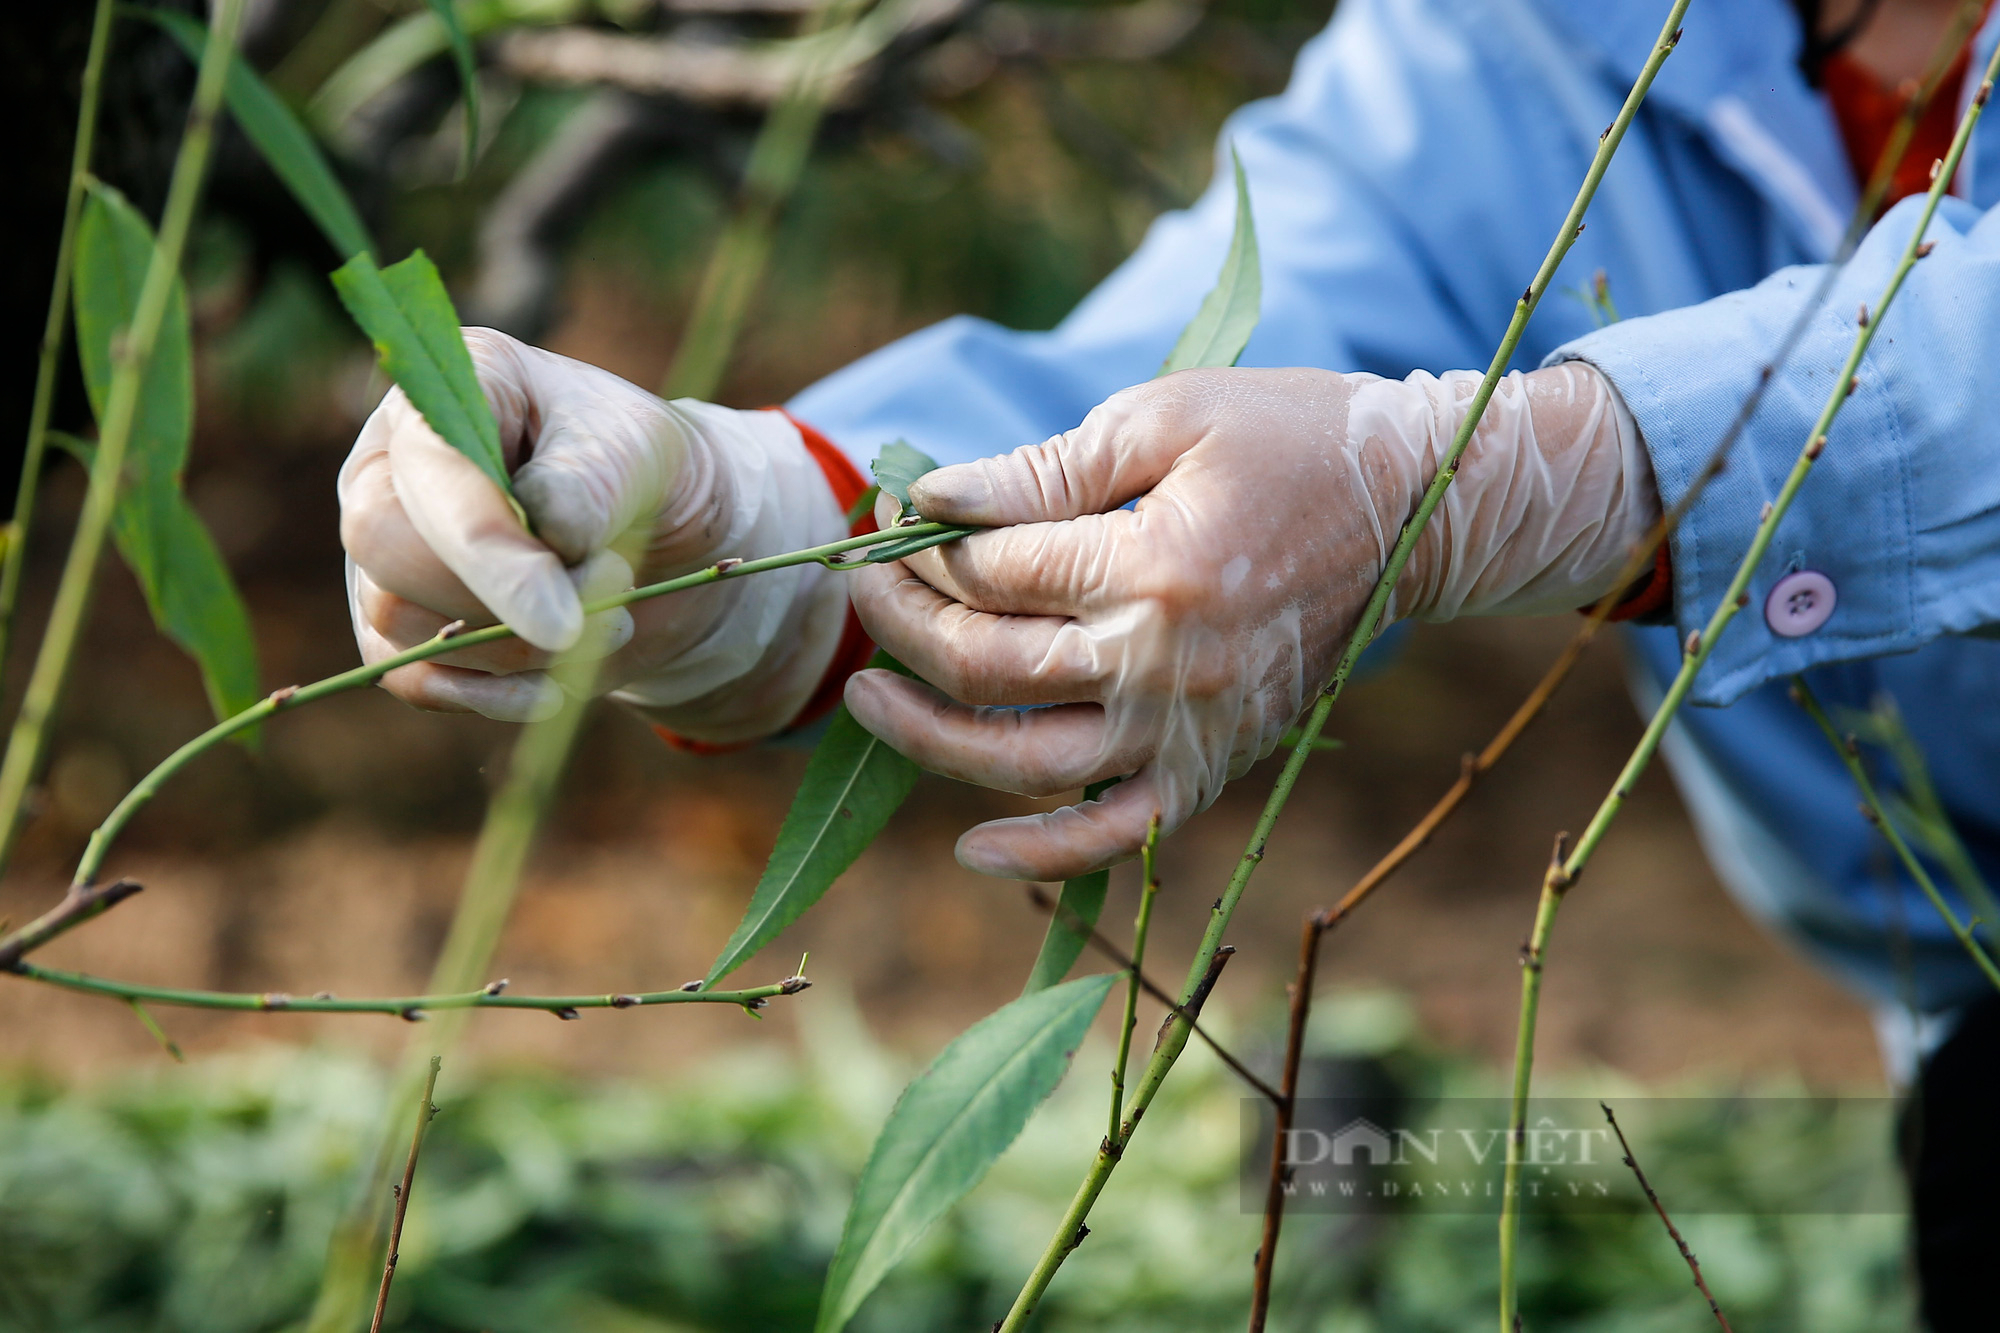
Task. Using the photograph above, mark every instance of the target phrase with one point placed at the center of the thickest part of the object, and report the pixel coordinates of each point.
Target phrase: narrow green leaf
(1219, 330)
(285, 142)
(909, 546)
(186, 582)
(114, 245)
(1082, 901)
(405, 310)
(852, 785)
(468, 78)
(1063, 942)
(949, 1126)
(897, 466)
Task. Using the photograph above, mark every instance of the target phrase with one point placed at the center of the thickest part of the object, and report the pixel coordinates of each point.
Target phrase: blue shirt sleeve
(1381, 251)
(1901, 512)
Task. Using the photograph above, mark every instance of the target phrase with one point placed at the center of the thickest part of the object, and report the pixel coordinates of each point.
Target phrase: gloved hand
(1175, 642)
(600, 466)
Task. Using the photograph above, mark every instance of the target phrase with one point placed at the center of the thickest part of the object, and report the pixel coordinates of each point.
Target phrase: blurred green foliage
(198, 1200)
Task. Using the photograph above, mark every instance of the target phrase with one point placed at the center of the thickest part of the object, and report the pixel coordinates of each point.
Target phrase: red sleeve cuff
(1649, 597)
(854, 650)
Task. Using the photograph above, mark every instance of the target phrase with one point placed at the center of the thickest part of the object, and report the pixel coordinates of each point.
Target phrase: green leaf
(187, 584)
(468, 78)
(909, 546)
(852, 785)
(114, 246)
(1083, 898)
(1082, 901)
(1219, 330)
(405, 310)
(897, 466)
(280, 137)
(949, 1126)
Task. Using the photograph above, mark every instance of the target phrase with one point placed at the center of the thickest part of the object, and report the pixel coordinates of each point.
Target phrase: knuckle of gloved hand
(1180, 586)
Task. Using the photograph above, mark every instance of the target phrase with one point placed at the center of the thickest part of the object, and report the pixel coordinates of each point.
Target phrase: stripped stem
(411, 1007)
(426, 1109)
(1555, 883)
(1175, 1039)
(1878, 815)
(1694, 1265)
(130, 356)
(1701, 644)
(1149, 887)
(54, 326)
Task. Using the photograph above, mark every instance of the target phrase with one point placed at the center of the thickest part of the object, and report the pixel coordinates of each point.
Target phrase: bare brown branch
(1694, 1265)
(425, 1110)
(80, 904)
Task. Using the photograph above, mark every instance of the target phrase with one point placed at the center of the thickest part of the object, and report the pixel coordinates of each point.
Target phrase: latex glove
(1177, 640)
(597, 464)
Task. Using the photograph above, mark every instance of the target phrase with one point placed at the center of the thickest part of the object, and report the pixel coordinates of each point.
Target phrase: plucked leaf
(909, 546)
(949, 1126)
(852, 785)
(1219, 331)
(897, 466)
(468, 76)
(187, 585)
(405, 310)
(1078, 909)
(280, 137)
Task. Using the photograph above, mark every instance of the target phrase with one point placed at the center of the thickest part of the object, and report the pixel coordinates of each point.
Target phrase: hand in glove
(600, 467)
(1174, 642)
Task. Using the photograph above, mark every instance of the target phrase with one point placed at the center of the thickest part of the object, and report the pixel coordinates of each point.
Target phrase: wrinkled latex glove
(1175, 641)
(601, 467)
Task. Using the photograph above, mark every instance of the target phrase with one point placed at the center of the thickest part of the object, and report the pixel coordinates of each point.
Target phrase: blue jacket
(1406, 186)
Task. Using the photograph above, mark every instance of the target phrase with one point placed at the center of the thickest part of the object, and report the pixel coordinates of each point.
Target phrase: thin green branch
(1696, 653)
(1148, 890)
(1878, 815)
(1174, 1040)
(412, 1008)
(156, 1032)
(1555, 883)
(29, 739)
(54, 327)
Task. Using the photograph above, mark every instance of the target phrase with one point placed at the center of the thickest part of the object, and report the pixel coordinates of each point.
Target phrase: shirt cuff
(855, 649)
(1685, 375)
